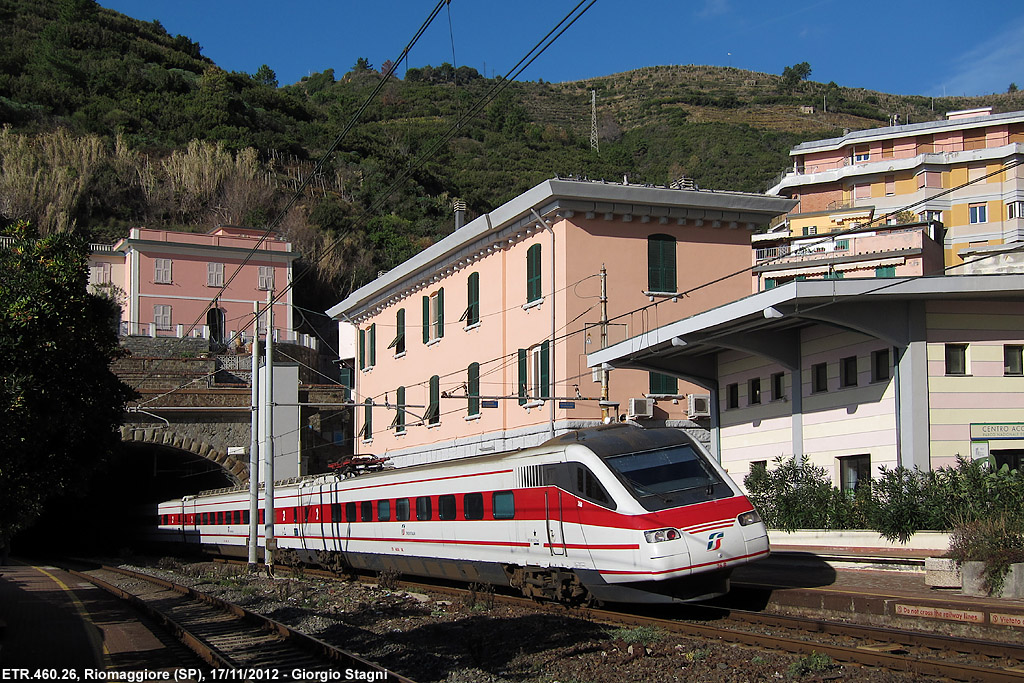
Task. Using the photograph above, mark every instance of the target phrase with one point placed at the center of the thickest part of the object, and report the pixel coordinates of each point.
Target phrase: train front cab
(687, 523)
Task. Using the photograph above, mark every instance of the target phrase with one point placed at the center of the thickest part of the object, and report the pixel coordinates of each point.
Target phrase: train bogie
(614, 514)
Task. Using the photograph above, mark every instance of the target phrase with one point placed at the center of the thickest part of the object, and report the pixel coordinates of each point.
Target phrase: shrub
(998, 541)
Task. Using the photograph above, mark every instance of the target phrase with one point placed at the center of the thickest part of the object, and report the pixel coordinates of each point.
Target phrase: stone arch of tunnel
(235, 469)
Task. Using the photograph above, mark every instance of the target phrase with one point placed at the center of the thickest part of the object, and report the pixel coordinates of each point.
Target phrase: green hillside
(111, 122)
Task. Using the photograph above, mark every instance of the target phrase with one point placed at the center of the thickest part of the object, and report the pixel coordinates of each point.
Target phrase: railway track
(231, 639)
(912, 652)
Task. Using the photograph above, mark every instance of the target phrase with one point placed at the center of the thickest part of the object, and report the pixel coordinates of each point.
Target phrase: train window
(669, 477)
(503, 504)
(204, 518)
(350, 512)
(366, 511)
(423, 509)
(297, 516)
(402, 509)
(446, 507)
(383, 510)
(473, 506)
(335, 512)
(245, 516)
(588, 487)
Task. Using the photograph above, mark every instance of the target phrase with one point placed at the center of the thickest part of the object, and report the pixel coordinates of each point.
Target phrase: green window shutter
(399, 342)
(434, 409)
(885, 271)
(400, 411)
(440, 313)
(373, 345)
(345, 375)
(544, 390)
(473, 295)
(661, 263)
(533, 279)
(368, 419)
(522, 376)
(362, 349)
(426, 319)
(663, 384)
(770, 283)
(473, 388)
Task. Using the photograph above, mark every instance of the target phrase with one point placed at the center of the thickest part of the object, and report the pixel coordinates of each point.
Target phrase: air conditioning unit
(698, 405)
(640, 408)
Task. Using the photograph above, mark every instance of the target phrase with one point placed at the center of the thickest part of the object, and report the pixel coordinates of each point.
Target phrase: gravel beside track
(473, 640)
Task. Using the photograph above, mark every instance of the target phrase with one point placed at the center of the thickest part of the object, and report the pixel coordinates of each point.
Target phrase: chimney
(460, 213)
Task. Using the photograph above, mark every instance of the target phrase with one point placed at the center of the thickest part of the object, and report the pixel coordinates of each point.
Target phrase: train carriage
(614, 513)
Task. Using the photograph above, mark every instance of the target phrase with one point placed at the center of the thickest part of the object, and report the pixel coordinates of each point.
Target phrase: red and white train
(610, 514)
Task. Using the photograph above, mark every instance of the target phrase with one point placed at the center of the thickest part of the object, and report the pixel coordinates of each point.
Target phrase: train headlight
(748, 518)
(659, 535)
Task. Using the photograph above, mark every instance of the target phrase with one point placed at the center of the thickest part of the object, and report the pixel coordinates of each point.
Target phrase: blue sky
(912, 47)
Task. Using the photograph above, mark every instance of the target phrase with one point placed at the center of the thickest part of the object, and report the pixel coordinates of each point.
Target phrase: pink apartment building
(165, 281)
(479, 343)
(962, 175)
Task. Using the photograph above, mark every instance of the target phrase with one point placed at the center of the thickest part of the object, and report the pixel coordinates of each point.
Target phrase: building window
(214, 274)
(885, 271)
(162, 316)
(660, 384)
(367, 429)
(754, 391)
(265, 279)
(770, 283)
(99, 274)
(880, 365)
(433, 316)
(162, 271)
(848, 371)
(819, 378)
(890, 185)
(778, 386)
(533, 279)
(1014, 210)
(833, 275)
(399, 422)
(398, 343)
(473, 389)
(862, 191)
(978, 213)
(472, 314)
(861, 153)
(1013, 354)
(661, 263)
(534, 370)
(368, 347)
(956, 359)
(433, 415)
(810, 230)
(732, 396)
(854, 472)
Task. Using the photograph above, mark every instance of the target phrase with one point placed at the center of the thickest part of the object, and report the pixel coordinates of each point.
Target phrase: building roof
(565, 197)
(765, 323)
(888, 132)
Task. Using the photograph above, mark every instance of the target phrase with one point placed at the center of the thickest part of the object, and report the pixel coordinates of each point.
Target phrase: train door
(554, 514)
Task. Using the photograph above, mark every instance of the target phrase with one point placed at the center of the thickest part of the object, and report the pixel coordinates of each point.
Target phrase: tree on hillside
(265, 76)
(792, 75)
(59, 402)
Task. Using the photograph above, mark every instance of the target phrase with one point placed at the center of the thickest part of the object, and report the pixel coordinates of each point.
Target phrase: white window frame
(265, 279)
(435, 316)
(214, 274)
(1014, 210)
(978, 213)
(162, 316)
(99, 273)
(162, 271)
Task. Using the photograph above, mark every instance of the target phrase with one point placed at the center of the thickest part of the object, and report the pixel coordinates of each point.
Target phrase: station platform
(873, 588)
(53, 620)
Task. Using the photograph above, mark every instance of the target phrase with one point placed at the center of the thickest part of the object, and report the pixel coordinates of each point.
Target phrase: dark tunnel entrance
(110, 514)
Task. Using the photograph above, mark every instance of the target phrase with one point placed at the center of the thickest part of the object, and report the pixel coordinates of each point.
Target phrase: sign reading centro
(998, 430)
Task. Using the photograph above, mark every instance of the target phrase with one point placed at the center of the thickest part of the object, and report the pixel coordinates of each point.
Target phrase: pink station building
(166, 280)
(479, 343)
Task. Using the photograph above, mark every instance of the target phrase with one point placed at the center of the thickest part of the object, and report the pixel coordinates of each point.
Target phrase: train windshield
(669, 477)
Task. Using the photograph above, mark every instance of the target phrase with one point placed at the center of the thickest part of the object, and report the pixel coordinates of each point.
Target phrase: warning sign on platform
(940, 613)
(1007, 620)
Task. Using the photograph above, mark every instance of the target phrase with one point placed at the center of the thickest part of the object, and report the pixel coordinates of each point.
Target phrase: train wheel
(554, 585)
